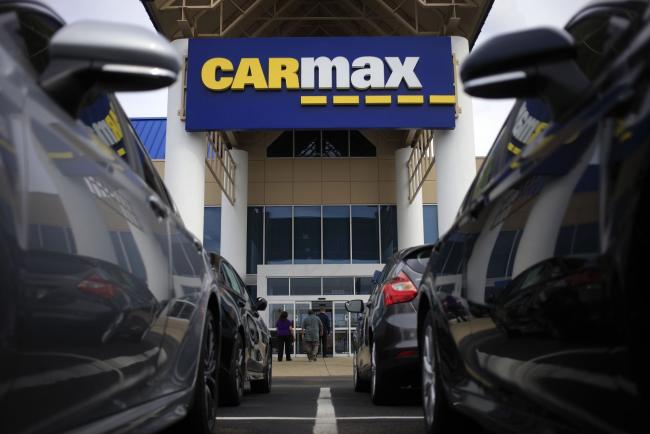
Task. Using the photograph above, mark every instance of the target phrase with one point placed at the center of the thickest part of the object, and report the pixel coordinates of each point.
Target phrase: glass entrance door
(338, 341)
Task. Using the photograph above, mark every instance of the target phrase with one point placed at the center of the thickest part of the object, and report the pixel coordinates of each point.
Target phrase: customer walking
(284, 328)
(322, 315)
(312, 329)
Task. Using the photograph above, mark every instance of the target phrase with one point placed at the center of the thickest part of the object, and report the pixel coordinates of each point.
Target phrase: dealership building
(307, 141)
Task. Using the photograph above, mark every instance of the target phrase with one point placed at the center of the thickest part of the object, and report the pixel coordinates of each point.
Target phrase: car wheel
(438, 415)
(264, 385)
(233, 388)
(359, 384)
(201, 417)
(379, 391)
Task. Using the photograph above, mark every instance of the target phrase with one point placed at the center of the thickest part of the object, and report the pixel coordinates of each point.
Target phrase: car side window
(143, 165)
(597, 34)
(233, 280)
(33, 35)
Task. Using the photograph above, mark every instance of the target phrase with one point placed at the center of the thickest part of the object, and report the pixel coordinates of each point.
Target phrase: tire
(264, 385)
(201, 417)
(360, 385)
(233, 385)
(379, 390)
(439, 417)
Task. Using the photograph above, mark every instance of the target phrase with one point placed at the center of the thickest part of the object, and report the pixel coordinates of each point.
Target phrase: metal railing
(220, 163)
(420, 161)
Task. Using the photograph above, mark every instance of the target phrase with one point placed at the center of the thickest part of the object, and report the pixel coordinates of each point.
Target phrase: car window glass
(33, 36)
(233, 280)
(595, 38)
(99, 112)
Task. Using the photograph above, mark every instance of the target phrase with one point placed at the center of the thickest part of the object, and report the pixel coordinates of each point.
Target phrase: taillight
(98, 286)
(399, 290)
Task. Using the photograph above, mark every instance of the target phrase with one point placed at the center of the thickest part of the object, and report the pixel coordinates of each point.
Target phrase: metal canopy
(255, 18)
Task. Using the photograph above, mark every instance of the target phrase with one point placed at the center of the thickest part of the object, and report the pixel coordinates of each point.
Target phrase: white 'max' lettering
(403, 71)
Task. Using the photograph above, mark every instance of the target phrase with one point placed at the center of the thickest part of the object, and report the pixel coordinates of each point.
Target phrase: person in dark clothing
(284, 328)
(326, 329)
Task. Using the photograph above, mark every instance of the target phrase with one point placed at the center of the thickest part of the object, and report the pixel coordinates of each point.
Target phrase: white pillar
(184, 158)
(410, 230)
(455, 159)
(234, 217)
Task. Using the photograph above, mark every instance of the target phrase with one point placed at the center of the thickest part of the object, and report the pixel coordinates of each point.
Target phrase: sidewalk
(301, 367)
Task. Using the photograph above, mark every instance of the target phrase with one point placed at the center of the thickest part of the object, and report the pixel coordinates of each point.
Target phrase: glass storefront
(342, 322)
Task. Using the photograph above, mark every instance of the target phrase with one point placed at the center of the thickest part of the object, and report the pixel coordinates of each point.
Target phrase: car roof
(405, 253)
(35, 5)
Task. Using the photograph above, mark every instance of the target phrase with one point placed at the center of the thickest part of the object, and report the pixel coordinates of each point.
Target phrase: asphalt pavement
(319, 405)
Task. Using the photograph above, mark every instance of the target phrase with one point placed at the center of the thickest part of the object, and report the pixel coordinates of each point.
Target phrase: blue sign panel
(313, 83)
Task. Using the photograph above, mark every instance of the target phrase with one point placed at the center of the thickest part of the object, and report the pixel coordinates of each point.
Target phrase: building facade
(305, 206)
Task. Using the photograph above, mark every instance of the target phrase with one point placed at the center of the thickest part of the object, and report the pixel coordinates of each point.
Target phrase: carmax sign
(293, 83)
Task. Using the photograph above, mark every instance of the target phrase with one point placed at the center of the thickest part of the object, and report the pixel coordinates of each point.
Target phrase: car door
(86, 337)
(257, 344)
(541, 326)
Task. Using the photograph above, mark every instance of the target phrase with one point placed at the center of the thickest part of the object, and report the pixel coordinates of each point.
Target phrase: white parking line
(325, 416)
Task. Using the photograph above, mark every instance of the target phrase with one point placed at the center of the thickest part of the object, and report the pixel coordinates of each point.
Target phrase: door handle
(159, 209)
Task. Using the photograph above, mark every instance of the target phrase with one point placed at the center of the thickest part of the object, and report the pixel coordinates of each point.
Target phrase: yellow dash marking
(410, 99)
(442, 99)
(346, 100)
(121, 152)
(512, 148)
(60, 155)
(378, 99)
(313, 100)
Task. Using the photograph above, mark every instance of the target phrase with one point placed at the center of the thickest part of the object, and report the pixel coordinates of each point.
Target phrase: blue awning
(152, 133)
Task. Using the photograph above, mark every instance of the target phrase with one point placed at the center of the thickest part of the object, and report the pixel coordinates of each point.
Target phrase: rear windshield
(417, 261)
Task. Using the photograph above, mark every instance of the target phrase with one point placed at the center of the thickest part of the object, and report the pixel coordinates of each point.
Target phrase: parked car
(247, 354)
(547, 251)
(109, 310)
(385, 348)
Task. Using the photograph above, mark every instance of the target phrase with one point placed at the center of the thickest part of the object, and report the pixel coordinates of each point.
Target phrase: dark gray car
(385, 346)
(109, 310)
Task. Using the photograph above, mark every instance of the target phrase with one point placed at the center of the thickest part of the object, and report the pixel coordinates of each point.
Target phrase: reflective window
(306, 286)
(212, 228)
(365, 234)
(277, 286)
(338, 286)
(254, 238)
(278, 234)
(388, 231)
(336, 234)
(307, 143)
(502, 254)
(306, 235)
(363, 285)
(430, 220)
(335, 143)
(282, 146)
(360, 146)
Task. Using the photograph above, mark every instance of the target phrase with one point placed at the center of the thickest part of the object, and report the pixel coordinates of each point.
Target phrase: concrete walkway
(301, 367)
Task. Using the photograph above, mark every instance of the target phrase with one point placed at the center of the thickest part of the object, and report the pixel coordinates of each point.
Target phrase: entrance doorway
(342, 323)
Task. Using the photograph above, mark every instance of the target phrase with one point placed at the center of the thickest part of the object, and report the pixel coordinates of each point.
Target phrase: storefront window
(307, 143)
(212, 228)
(338, 286)
(282, 146)
(363, 285)
(336, 234)
(306, 286)
(254, 238)
(278, 234)
(277, 286)
(360, 146)
(335, 143)
(430, 220)
(365, 234)
(306, 235)
(388, 231)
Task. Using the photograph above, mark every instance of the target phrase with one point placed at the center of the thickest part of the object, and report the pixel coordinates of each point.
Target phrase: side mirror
(531, 63)
(261, 304)
(110, 57)
(354, 306)
(376, 276)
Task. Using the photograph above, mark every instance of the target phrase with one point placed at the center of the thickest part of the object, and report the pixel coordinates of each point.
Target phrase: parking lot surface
(324, 403)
